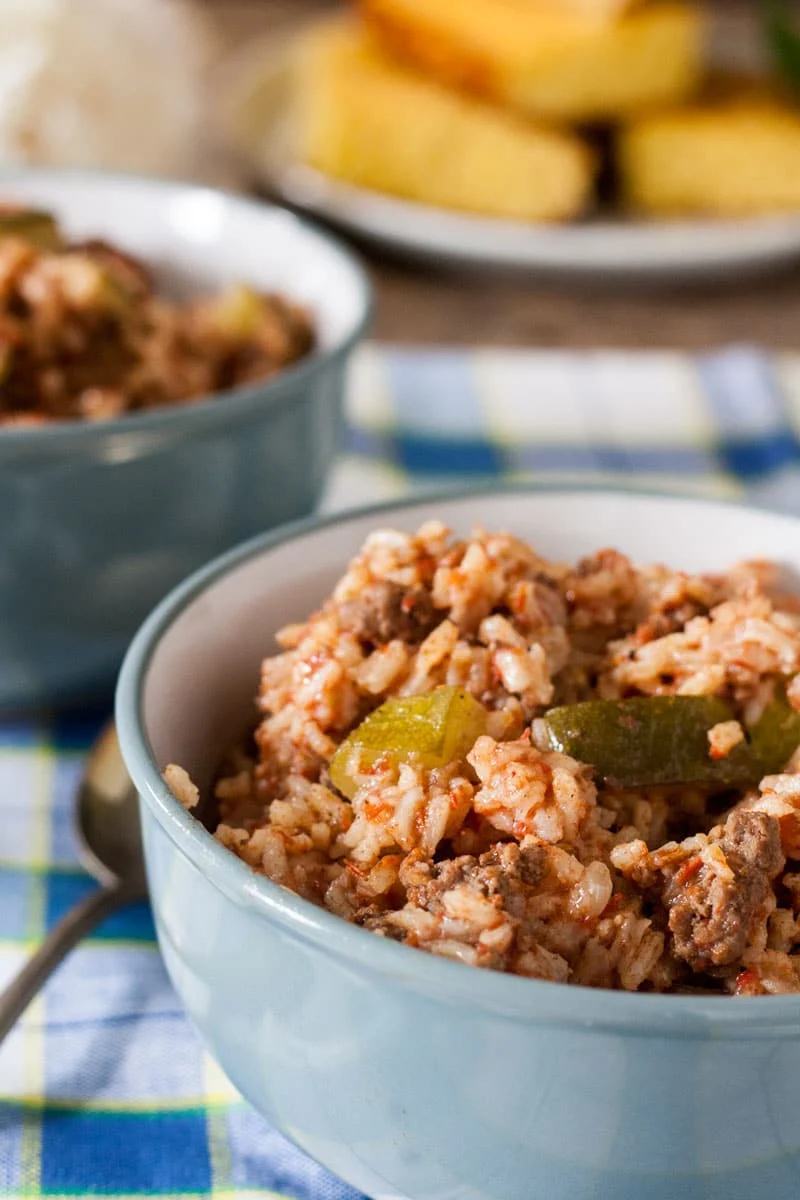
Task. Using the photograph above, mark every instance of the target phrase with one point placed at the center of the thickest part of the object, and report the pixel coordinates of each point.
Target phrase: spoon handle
(79, 921)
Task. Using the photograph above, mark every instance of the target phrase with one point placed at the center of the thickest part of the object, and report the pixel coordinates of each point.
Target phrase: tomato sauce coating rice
(515, 854)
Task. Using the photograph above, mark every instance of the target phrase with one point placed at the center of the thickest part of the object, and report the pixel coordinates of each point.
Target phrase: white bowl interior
(203, 675)
(198, 239)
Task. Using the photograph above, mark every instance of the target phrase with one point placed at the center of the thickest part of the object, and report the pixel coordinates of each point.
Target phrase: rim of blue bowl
(513, 997)
(217, 407)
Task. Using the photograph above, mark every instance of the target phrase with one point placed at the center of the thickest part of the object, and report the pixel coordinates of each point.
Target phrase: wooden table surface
(424, 305)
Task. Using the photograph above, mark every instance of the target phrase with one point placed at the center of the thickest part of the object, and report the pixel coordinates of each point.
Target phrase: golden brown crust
(736, 152)
(366, 118)
(423, 44)
(546, 61)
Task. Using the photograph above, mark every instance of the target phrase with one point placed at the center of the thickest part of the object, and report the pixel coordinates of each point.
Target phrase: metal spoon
(110, 848)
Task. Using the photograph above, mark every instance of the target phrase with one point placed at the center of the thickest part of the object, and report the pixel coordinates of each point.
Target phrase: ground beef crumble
(385, 611)
(715, 915)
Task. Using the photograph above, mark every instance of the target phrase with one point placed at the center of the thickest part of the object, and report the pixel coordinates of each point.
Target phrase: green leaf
(783, 41)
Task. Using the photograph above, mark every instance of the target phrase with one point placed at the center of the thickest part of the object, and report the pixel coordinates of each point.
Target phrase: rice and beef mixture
(84, 334)
(583, 774)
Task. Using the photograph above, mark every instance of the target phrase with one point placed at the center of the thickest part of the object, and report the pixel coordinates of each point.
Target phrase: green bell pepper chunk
(649, 741)
(776, 735)
(434, 729)
(32, 225)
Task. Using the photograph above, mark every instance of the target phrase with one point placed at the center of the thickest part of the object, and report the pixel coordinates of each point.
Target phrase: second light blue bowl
(99, 521)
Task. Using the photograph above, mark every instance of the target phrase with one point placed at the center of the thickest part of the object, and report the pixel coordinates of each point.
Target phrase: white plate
(254, 112)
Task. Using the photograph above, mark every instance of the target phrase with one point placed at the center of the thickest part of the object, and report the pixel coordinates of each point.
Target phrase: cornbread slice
(736, 154)
(362, 118)
(544, 59)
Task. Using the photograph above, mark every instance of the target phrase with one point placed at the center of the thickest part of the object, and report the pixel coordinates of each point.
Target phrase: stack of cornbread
(517, 108)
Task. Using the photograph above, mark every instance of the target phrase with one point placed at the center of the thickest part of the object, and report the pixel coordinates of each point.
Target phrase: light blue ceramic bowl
(99, 521)
(411, 1077)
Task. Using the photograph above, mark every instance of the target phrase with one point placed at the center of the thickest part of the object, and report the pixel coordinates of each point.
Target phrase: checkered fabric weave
(104, 1087)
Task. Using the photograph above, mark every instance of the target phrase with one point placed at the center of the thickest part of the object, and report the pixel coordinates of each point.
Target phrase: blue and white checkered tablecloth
(104, 1087)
